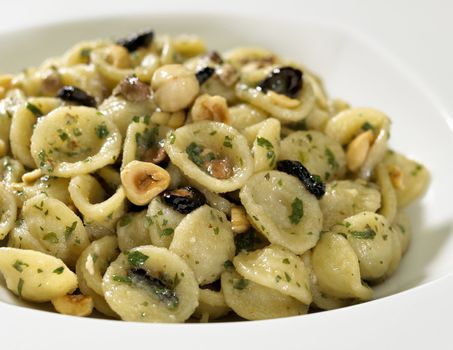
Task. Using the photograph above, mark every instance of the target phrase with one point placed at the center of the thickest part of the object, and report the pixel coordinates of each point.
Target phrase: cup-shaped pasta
(320, 154)
(317, 119)
(99, 212)
(110, 175)
(84, 77)
(74, 305)
(162, 220)
(133, 231)
(53, 187)
(57, 228)
(243, 55)
(369, 235)
(350, 123)
(211, 305)
(214, 200)
(143, 181)
(389, 203)
(8, 211)
(213, 154)
(321, 299)
(204, 239)
(151, 284)
(345, 198)
(8, 106)
(144, 142)
(337, 269)
(35, 276)
(122, 112)
(285, 109)
(282, 210)
(276, 268)
(243, 115)
(80, 52)
(402, 227)
(11, 170)
(91, 266)
(409, 178)
(253, 301)
(23, 124)
(20, 237)
(265, 140)
(71, 141)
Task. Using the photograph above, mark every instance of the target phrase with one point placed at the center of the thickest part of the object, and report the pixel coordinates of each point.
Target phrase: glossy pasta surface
(150, 179)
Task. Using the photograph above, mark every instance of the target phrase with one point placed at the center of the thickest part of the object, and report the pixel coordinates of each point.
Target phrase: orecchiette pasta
(182, 184)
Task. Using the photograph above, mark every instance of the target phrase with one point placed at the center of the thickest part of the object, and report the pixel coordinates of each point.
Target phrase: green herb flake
(136, 119)
(194, 153)
(20, 286)
(241, 284)
(288, 277)
(35, 110)
(69, 230)
(278, 278)
(125, 220)
(39, 271)
(63, 135)
(85, 52)
(19, 265)
(167, 232)
(51, 237)
(216, 230)
(172, 138)
(228, 264)
(76, 132)
(212, 133)
(59, 270)
(285, 261)
(367, 234)
(297, 213)
(331, 158)
(136, 258)
(102, 131)
(262, 142)
(227, 142)
(367, 126)
(122, 279)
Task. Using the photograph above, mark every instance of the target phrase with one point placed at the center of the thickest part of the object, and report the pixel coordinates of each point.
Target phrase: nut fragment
(143, 181)
(219, 168)
(239, 221)
(208, 107)
(74, 305)
(176, 120)
(396, 176)
(358, 150)
(175, 87)
(132, 89)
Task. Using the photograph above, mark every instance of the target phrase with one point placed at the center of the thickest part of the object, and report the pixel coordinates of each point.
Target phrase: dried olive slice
(311, 182)
(204, 74)
(136, 41)
(285, 80)
(76, 95)
(185, 199)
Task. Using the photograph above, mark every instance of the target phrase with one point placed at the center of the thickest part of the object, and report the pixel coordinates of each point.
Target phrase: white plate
(353, 69)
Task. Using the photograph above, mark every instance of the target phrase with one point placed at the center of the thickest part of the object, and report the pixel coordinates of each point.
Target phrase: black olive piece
(74, 94)
(311, 183)
(163, 291)
(136, 41)
(246, 241)
(184, 199)
(204, 74)
(285, 80)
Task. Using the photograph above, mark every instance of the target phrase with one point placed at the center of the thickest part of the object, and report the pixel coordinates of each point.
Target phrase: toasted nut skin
(118, 56)
(175, 87)
(208, 107)
(239, 220)
(143, 181)
(74, 305)
(358, 150)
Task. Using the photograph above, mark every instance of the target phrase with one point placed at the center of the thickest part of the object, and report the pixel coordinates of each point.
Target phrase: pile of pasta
(153, 180)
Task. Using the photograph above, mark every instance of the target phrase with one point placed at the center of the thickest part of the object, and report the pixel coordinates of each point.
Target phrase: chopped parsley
(63, 135)
(59, 270)
(167, 232)
(331, 158)
(194, 153)
(367, 126)
(240, 284)
(20, 286)
(368, 233)
(125, 220)
(228, 264)
(246, 241)
(265, 143)
(85, 52)
(69, 230)
(122, 279)
(35, 110)
(51, 237)
(136, 258)
(172, 138)
(101, 131)
(227, 141)
(19, 265)
(285, 261)
(297, 213)
(288, 277)
(216, 230)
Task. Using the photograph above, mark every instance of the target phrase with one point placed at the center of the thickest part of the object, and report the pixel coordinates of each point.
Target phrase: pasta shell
(133, 231)
(211, 305)
(35, 276)
(8, 211)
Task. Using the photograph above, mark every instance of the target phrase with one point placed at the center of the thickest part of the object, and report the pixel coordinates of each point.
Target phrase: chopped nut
(132, 89)
(396, 176)
(282, 100)
(227, 74)
(208, 107)
(239, 220)
(219, 168)
(357, 150)
(154, 155)
(75, 305)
